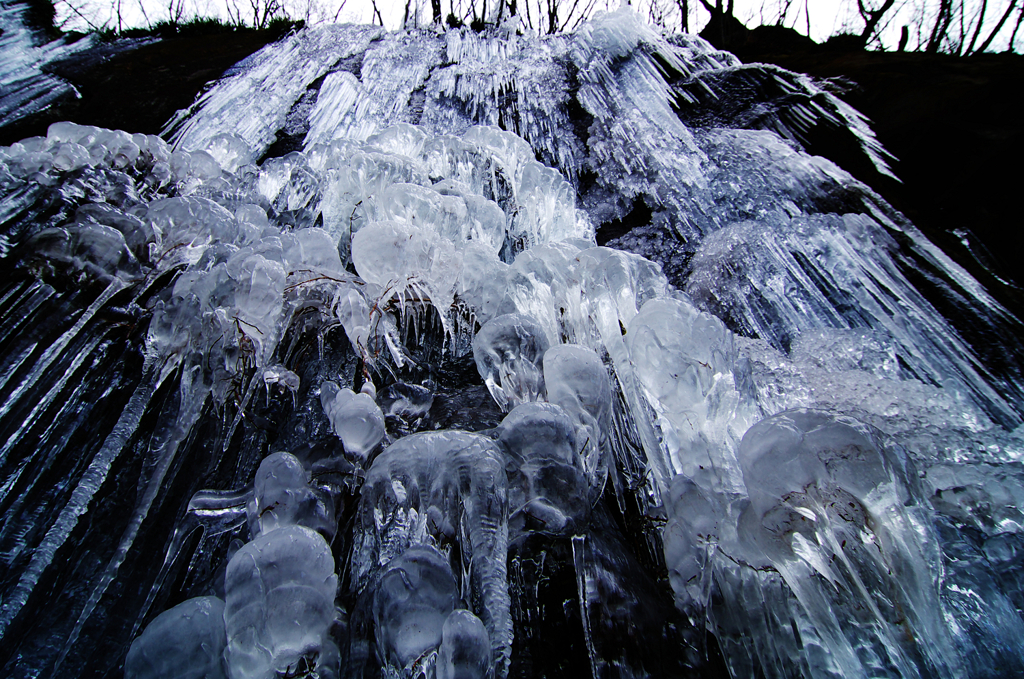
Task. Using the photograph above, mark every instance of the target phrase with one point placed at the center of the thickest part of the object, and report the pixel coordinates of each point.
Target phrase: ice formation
(381, 406)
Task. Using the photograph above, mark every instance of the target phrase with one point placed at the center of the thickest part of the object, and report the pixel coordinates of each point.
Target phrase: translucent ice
(184, 642)
(548, 488)
(283, 498)
(280, 603)
(355, 418)
(414, 597)
(171, 317)
(508, 351)
(837, 510)
(429, 488)
(577, 381)
(465, 652)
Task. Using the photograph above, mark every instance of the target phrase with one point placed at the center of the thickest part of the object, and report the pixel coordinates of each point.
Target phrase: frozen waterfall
(336, 381)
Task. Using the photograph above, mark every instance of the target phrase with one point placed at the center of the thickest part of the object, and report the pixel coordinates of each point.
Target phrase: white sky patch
(820, 18)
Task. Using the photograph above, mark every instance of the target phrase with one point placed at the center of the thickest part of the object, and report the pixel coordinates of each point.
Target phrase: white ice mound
(684, 361)
(837, 510)
(355, 418)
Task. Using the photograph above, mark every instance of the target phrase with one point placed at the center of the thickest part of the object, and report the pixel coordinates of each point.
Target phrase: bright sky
(824, 17)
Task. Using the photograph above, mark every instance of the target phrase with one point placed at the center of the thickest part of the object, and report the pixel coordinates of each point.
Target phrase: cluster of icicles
(609, 377)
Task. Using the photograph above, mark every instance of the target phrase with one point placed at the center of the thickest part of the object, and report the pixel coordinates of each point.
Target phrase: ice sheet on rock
(838, 272)
(355, 418)
(837, 510)
(685, 365)
(414, 596)
(184, 642)
(253, 102)
(508, 351)
(393, 68)
(622, 86)
(500, 79)
(25, 87)
(762, 96)
(279, 604)
(430, 488)
(932, 423)
(549, 490)
(409, 403)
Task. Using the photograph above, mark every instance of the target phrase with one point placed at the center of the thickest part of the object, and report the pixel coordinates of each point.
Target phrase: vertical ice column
(684, 360)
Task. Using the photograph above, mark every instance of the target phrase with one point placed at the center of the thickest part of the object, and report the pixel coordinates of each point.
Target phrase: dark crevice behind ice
(338, 383)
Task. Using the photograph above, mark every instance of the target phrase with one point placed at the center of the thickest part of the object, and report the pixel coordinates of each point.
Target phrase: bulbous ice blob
(185, 642)
(283, 498)
(280, 603)
(229, 150)
(548, 489)
(835, 507)
(577, 380)
(355, 418)
(465, 651)
(415, 595)
(508, 351)
(425, 207)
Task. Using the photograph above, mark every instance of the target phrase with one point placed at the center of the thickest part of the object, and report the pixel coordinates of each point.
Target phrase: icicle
(579, 563)
(153, 376)
(193, 399)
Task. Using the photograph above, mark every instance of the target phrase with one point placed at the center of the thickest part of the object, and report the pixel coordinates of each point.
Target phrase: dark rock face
(141, 88)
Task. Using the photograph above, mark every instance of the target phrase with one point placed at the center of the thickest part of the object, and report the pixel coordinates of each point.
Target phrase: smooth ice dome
(355, 418)
(184, 642)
